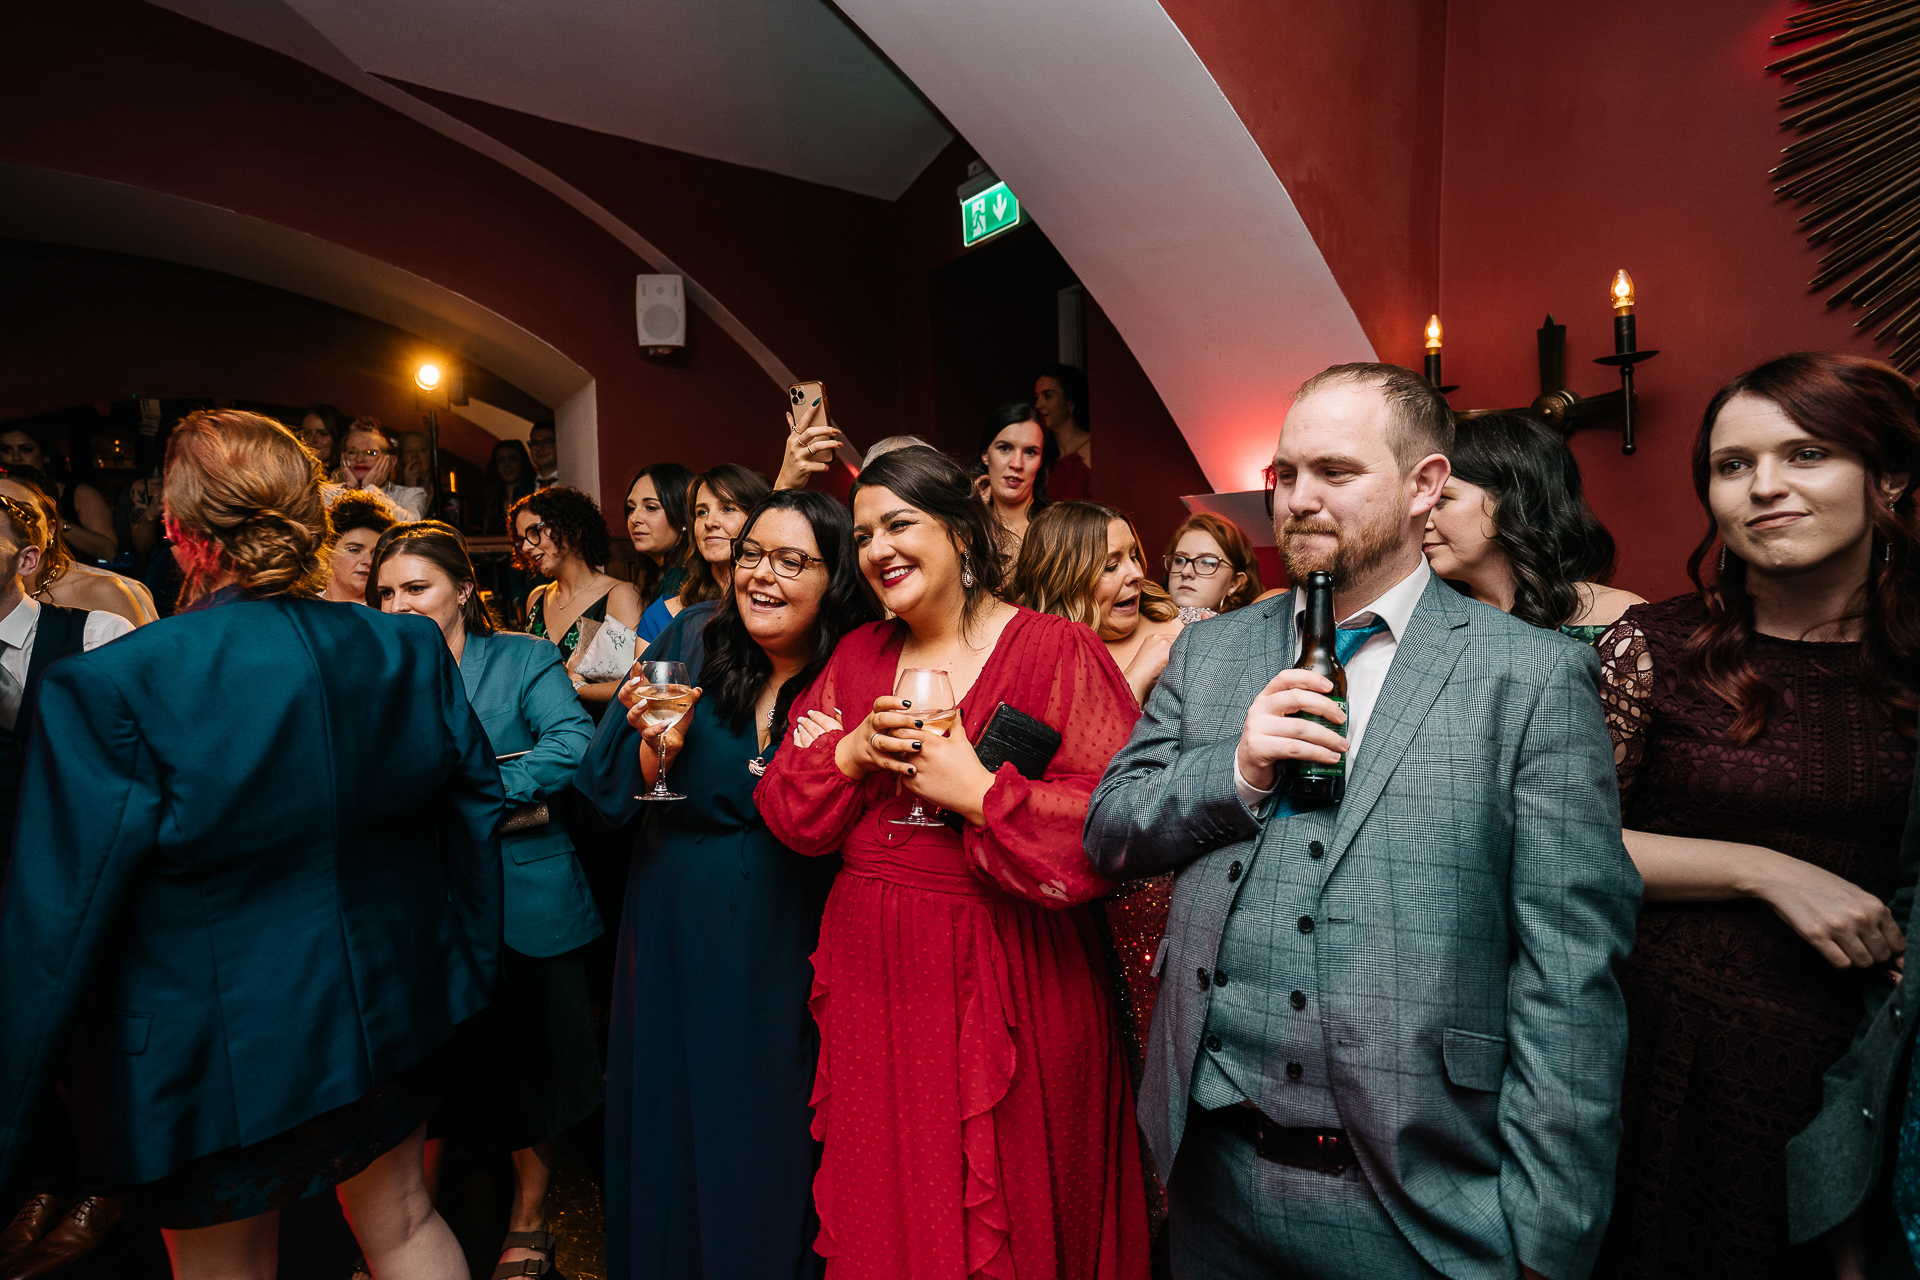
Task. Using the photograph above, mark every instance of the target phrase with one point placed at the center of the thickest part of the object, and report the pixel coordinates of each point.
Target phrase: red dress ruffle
(971, 1098)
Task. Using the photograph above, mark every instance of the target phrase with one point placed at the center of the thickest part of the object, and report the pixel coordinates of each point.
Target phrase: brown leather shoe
(75, 1236)
(33, 1220)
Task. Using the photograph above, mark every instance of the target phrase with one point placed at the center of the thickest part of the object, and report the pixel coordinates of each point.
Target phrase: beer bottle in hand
(1311, 781)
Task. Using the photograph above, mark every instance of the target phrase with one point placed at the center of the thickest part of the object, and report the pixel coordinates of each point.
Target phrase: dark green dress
(710, 1060)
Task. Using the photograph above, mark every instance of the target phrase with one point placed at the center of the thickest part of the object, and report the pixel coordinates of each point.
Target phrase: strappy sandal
(538, 1241)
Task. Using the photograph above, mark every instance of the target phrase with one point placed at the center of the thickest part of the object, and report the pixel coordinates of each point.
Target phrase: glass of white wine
(666, 692)
(930, 689)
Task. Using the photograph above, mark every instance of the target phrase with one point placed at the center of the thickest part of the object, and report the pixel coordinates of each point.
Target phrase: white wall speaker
(660, 308)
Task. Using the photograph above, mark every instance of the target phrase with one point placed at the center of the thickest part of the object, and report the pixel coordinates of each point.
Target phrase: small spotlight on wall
(427, 377)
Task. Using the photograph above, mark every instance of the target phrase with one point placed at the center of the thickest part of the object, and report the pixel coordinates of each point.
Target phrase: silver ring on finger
(874, 741)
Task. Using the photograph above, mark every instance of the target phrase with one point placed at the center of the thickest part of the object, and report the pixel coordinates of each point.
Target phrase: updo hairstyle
(244, 495)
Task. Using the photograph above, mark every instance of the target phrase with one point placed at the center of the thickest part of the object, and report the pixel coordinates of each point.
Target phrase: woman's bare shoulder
(1602, 605)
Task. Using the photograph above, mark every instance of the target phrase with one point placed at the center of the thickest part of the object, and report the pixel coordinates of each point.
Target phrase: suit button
(1295, 1071)
(1219, 977)
(1206, 979)
(1306, 924)
(1298, 999)
(1315, 849)
(1233, 872)
(1213, 1044)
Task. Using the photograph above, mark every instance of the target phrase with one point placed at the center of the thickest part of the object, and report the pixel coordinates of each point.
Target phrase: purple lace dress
(1732, 1017)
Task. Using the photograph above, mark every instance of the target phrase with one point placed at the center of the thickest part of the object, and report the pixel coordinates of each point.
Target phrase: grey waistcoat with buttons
(1256, 1045)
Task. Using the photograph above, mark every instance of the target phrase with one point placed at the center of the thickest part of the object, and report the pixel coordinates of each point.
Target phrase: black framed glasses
(788, 562)
(1204, 566)
(1270, 478)
(532, 534)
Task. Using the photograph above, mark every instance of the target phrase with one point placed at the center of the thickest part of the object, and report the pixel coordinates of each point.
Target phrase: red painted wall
(1581, 139)
(803, 266)
(1345, 101)
(131, 93)
(81, 327)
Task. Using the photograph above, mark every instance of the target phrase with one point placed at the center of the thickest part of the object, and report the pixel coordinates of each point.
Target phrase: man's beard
(1354, 555)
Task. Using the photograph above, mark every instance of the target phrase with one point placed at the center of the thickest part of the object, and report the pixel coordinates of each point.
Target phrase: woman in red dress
(971, 1098)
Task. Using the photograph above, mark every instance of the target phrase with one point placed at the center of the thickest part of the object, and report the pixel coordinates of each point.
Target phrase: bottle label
(1316, 768)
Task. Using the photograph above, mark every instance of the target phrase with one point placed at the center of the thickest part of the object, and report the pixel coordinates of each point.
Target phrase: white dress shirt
(1366, 670)
(22, 624)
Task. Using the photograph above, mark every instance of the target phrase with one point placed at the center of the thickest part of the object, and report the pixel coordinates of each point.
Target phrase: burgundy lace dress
(1733, 1018)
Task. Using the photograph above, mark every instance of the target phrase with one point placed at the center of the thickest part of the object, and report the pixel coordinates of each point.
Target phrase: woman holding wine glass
(710, 1058)
(971, 1099)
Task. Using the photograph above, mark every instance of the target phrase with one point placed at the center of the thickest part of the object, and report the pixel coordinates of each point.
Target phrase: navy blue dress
(711, 1055)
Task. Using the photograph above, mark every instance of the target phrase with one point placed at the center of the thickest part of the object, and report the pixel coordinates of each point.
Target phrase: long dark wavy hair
(670, 481)
(1012, 415)
(742, 486)
(1865, 406)
(1541, 520)
(737, 667)
(934, 483)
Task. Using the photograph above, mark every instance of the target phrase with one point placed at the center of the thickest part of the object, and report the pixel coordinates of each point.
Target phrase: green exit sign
(988, 213)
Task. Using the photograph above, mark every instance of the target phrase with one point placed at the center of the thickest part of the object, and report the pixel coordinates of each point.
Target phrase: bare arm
(1848, 926)
(92, 535)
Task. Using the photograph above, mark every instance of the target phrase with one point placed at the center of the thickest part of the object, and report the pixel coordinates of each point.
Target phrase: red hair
(1865, 406)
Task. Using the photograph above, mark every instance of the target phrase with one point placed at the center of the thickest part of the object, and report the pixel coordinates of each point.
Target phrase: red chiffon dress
(972, 1098)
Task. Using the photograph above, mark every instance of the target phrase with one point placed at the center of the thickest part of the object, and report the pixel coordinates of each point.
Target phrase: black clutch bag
(1016, 738)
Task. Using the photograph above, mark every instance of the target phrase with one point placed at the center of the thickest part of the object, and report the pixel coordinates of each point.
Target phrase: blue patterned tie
(1346, 643)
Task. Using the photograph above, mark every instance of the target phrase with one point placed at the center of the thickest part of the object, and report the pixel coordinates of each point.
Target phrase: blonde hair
(1234, 546)
(1062, 558)
(246, 489)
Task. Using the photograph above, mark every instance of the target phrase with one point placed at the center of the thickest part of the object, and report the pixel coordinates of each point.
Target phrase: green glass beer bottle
(1312, 782)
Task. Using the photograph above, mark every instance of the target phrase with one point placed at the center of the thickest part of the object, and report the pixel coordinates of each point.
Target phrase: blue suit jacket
(256, 875)
(520, 691)
(1474, 898)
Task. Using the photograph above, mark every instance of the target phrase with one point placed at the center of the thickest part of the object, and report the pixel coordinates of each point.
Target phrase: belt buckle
(1332, 1162)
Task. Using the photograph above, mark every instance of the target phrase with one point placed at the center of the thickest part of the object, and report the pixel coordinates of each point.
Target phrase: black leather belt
(1321, 1150)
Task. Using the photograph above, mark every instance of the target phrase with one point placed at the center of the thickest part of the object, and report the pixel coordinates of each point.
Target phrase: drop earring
(1723, 562)
(966, 573)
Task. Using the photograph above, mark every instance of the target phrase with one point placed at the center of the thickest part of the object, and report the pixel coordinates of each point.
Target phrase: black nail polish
(905, 703)
(916, 746)
(911, 769)
(918, 724)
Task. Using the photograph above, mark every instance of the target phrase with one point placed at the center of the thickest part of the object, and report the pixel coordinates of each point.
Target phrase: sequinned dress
(972, 1097)
(1732, 1017)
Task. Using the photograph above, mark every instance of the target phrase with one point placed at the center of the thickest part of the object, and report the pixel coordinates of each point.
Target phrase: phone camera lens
(795, 393)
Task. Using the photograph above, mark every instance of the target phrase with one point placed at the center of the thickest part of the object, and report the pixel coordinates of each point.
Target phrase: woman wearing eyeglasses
(711, 1054)
(367, 461)
(1210, 567)
(558, 532)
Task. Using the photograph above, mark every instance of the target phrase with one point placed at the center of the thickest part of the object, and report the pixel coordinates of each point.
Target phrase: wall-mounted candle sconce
(1433, 356)
(1561, 407)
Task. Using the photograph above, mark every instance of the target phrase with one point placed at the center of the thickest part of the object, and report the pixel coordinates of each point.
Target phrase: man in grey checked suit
(1388, 1038)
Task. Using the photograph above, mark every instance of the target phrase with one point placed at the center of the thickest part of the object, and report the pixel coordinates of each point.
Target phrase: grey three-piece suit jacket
(1469, 901)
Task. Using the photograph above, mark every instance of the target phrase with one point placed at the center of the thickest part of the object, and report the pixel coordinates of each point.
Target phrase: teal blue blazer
(256, 874)
(520, 691)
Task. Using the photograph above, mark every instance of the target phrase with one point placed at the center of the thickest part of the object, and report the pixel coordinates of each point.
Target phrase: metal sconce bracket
(1567, 410)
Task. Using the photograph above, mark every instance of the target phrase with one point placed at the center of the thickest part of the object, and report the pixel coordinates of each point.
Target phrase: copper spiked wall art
(1855, 99)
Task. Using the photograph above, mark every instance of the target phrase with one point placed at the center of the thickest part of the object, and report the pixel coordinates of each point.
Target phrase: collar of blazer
(1423, 663)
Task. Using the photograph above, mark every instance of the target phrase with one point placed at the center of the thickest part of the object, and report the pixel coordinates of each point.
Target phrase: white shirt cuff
(1250, 795)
